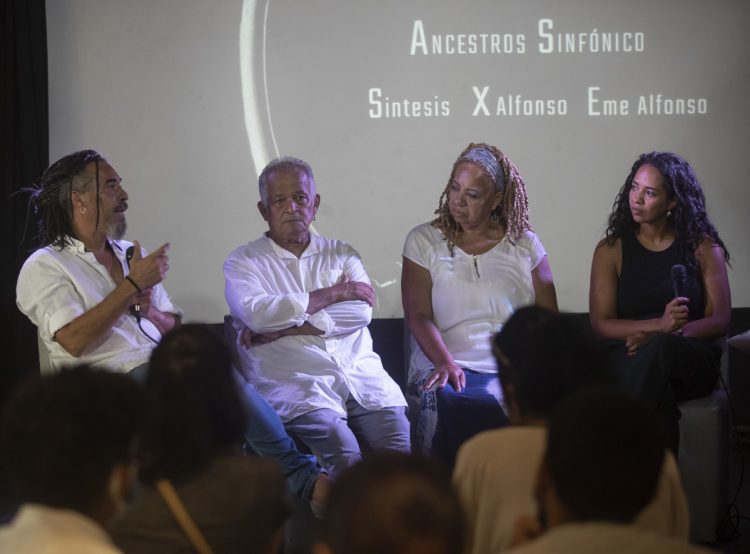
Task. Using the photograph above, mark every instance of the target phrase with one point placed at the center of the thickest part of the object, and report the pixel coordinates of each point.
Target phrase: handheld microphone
(136, 308)
(678, 279)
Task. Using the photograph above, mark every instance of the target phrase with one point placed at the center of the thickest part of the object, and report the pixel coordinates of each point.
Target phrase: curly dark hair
(513, 213)
(689, 219)
(52, 197)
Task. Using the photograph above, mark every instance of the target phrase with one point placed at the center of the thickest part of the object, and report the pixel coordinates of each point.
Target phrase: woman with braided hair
(464, 274)
(659, 288)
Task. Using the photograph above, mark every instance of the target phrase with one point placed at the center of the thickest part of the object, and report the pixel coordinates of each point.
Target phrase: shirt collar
(280, 252)
(76, 246)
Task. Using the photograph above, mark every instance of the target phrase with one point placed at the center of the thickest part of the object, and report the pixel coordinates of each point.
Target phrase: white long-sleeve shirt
(56, 286)
(267, 288)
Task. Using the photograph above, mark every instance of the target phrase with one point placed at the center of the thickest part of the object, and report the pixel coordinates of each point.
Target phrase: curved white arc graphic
(254, 79)
(261, 139)
(265, 79)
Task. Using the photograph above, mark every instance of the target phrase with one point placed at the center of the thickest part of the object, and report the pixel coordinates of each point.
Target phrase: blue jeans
(267, 437)
(448, 418)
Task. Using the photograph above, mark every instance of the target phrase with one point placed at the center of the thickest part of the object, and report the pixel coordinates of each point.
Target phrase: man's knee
(314, 425)
(394, 430)
(324, 430)
(326, 433)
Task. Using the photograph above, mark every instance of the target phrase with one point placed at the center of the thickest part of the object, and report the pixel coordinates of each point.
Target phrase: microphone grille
(678, 271)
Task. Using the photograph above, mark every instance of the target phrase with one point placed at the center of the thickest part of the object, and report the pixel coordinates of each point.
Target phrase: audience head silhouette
(604, 454)
(198, 410)
(238, 503)
(392, 502)
(543, 357)
(70, 440)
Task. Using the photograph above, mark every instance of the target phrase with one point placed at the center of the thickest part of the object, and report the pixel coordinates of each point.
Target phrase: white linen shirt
(267, 288)
(56, 286)
(39, 529)
(472, 296)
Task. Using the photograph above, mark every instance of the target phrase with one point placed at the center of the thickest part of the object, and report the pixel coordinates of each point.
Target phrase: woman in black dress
(659, 288)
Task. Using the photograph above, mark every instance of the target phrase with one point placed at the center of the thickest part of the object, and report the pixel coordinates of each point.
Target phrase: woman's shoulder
(426, 229)
(608, 245)
(706, 244)
(709, 250)
(608, 255)
(422, 244)
(424, 233)
(528, 237)
(529, 240)
(615, 238)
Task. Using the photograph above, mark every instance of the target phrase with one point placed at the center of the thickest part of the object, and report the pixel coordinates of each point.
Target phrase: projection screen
(189, 99)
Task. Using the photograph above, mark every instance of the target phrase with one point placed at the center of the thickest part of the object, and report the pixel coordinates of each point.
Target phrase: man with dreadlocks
(659, 287)
(91, 304)
(464, 274)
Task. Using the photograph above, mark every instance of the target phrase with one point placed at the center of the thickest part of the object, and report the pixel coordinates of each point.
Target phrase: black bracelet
(129, 278)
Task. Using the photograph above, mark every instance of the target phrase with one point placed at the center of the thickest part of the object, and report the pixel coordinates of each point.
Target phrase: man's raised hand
(151, 270)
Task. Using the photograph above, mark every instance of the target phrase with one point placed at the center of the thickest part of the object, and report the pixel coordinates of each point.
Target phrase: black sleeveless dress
(645, 285)
(669, 368)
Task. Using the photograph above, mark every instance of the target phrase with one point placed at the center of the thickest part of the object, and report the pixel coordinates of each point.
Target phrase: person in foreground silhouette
(603, 456)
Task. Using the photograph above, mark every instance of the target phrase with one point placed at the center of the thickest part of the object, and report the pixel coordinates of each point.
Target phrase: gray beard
(116, 230)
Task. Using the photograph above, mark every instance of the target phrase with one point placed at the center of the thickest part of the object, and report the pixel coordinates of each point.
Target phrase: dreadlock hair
(689, 219)
(512, 213)
(52, 197)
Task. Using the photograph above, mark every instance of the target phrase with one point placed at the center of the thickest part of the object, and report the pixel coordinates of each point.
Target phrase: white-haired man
(306, 301)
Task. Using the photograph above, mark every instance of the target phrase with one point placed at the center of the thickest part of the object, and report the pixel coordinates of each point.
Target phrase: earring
(83, 210)
(669, 213)
(494, 217)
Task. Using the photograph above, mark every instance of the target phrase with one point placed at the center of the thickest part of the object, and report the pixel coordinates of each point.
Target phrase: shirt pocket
(328, 277)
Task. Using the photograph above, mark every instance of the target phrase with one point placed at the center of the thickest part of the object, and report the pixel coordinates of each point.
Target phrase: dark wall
(388, 342)
(24, 143)
(739, 369)
(24, 150)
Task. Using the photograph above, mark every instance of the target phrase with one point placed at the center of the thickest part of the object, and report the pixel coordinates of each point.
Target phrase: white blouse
(472, 296)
